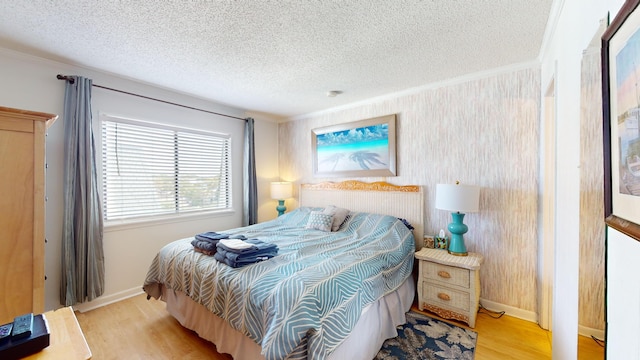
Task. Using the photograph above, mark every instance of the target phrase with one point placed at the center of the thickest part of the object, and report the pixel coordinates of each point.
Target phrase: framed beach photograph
(621, 115)
(356, 149)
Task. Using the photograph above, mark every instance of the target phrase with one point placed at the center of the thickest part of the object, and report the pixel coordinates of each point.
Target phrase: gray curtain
(250, 202)
(82, 252)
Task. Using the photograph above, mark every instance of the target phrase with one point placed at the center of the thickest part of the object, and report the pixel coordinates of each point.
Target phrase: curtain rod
(71, 80)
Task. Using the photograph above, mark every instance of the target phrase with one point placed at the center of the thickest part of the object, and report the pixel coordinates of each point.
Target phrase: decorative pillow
(339, 216)
(319, 221)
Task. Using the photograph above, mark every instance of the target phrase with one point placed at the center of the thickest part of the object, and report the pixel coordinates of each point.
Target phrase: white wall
(623, 295)
(30, 83)
(480, 130)
(577, 22)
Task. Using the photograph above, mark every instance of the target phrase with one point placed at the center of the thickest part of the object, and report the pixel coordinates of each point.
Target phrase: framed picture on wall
(621, 116)
(357, 149)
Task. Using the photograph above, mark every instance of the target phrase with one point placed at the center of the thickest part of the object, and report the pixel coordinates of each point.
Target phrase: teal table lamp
(281, 190)
(459, 199)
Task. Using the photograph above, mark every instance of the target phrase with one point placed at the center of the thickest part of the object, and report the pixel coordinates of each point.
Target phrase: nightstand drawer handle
(444, 274)
(443, 296)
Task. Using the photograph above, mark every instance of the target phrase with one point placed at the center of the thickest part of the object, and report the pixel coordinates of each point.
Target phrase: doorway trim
(547, 239)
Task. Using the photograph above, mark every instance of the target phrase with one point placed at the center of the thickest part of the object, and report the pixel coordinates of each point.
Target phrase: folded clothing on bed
(235, 255)
(214, 236)
(237, 245)
(206, 242)
(246, 246)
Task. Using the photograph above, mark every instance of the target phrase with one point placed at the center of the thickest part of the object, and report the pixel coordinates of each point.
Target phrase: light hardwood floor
(511, 338)
(139, 329)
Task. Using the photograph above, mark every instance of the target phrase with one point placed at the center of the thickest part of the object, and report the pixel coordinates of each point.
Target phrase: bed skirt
(377, 323)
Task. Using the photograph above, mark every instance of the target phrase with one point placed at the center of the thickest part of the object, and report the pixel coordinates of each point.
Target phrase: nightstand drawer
(445, 297)
(446, 274)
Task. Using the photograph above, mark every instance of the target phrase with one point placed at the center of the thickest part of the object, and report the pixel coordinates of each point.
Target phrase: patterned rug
(424, 338)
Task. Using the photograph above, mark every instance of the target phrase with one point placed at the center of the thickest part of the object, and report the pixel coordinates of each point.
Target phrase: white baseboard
(588, 332)
(106, 300)
(533, 317)
(510, 310)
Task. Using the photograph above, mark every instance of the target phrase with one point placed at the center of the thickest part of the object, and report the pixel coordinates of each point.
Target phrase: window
(151, 169)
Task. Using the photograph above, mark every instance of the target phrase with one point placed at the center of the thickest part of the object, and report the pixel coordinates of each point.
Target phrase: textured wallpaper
(483, 132)
(592, 227)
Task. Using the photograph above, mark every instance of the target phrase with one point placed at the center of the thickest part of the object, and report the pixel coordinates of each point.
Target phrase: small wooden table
(66, 340)
(449, 285)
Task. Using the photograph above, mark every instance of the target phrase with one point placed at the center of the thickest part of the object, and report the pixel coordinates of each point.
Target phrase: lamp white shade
(457, 198)
(281, 190)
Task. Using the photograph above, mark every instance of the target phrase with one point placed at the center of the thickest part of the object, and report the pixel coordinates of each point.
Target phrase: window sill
(119, 225)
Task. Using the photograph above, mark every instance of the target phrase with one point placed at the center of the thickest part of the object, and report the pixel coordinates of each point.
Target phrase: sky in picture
(364, 148)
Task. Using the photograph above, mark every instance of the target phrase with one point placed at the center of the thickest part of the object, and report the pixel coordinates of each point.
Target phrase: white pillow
(339, 215)
(318, 220)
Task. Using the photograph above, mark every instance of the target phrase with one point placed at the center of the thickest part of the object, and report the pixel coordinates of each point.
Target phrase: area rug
(424, 338)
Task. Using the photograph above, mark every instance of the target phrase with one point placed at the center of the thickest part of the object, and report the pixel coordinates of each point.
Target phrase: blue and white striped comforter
(305, 300)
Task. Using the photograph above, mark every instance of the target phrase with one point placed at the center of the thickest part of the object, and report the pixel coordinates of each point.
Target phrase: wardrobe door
(22, 212)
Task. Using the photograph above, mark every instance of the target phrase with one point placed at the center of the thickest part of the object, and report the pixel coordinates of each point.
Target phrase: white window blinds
(150, 169)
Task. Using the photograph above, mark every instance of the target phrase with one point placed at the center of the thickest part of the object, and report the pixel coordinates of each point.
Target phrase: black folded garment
(206, 242)
(212, 235)
(205, 246)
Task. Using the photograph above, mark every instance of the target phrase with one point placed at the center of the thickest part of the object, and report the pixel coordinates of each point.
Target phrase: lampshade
(281, 190)
(457, 197)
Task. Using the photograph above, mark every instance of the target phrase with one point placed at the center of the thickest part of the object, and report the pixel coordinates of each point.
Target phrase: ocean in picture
(365, 148)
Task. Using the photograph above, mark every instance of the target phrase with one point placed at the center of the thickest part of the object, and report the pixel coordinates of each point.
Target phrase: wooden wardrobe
(22, 208)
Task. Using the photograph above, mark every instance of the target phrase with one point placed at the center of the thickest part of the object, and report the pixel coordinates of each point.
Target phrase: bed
(326, 295)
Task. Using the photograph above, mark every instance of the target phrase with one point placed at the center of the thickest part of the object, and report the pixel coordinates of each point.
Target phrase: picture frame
(364, 148)
(621, 115)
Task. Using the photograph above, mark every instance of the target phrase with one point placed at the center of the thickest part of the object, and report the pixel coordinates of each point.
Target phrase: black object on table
(18, 347)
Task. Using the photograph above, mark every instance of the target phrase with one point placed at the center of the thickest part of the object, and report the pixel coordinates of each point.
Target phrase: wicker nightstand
(449, 285)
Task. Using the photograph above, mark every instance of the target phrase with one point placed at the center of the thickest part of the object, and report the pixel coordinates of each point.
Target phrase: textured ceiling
(280, 57)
